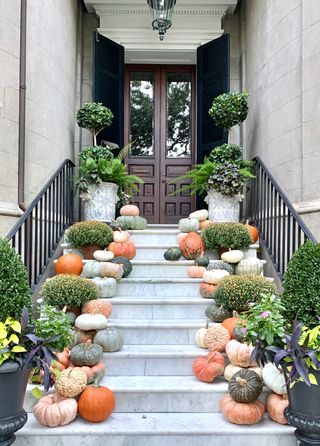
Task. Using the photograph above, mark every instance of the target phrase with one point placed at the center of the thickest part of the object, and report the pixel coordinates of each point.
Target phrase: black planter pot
(13, 385)
(303, 411)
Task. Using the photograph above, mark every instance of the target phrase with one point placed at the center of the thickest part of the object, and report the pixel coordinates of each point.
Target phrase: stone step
(153, 360)
(162, 287)
(155, 236)
(157, 429)
(158, 307)
(158, 331)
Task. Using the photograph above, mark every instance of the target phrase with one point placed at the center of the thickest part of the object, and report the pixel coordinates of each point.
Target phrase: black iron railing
(281, 229)
(36, 234)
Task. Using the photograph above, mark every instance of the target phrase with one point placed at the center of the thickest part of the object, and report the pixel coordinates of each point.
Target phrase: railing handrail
(286, 200)
(38, 197)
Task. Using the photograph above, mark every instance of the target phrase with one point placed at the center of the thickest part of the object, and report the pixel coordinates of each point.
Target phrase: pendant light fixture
(161, 11)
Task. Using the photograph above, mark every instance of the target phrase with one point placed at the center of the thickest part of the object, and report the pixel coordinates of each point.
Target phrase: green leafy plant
(51, 323)
(10, 343)
(237, 292)
(229, 180)
(229, 109)
(94, 116)
(226, 235)
(70, 290)
(15, 293)
(302, 285)
(86, 233)
(226, 153)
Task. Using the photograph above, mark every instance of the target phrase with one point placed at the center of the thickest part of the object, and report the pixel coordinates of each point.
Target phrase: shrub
(69, 290)
(302, 286)
(54, 323)
(225, 154)
(89, 233)
(226, 235)
(229, 109)
(94, 116)
(236, 292)
(15, 293)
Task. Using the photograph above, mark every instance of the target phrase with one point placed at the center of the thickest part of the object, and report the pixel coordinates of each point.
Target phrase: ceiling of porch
(128, 22)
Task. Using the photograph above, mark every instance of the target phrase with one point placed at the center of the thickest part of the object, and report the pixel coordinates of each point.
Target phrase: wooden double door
(159, 125)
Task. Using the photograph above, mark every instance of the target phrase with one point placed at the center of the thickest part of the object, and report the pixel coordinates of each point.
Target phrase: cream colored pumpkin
(200, 335)
(214, 276)
(103, 255)
(130, 210)
(273, 378)
(55, 410)
(70, 382)
(216, 338)
(201, 215)
(231, 369)
(121, 236)
(233, 256)
(88, 322)
(239, 354)
(109, 269)
(252, 265)
(195, 272)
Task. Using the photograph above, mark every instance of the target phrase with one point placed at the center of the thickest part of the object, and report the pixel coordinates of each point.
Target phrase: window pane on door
(178, 136)
(142, 114)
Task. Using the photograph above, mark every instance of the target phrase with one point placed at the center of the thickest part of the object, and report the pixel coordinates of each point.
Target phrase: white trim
(10, 209)
(307, 207)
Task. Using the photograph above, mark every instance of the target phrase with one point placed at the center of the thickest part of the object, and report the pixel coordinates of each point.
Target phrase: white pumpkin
(214, 276)
(201, 215)
(188, 225)
(91, 269)
(231, 369)
(107, 286)
(233, 256)
(88, 322)
(252, 265)
(274, 379)
(103, 255)
(121, 236)
(199, 338)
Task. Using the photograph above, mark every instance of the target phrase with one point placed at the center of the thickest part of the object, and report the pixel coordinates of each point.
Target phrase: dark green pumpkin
(127, 265)
(245, 386)
(172, 254)
(217, 314)
(115, 225)
(202, 261)
(218, 264)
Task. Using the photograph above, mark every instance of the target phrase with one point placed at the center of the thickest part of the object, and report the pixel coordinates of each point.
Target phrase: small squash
(253, 232)
(91, 269)
(127, 265)
(214, 276)
(96, 403)
(205, 224)
(107, 286)
(275, 407)
(200, 334)
(217, 314)
(231, 369)
(208, 368)
(70, 383)
(130, 210)
(109, 269)
(207, 290)
(80, 336)
(63, 357)
(69, 264)
(188, 225)
(110, 339)
(233, 256)
(121, 236)
(274, 378)
(241, 413)
(91, 372)
(192, 246)
(172, 254)
(202, 260)
(86, 354)
(251, 265)
(245, 386)
(239, 354)
(55, 410)
(102, 255)
(97, 306)
(195, 272)
(200, 215)
(87, 322)
(231, 323)
(126, 249)
(216, 338)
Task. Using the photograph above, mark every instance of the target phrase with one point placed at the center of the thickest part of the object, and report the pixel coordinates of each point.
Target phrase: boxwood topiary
(89, 233)
(236, 292)
(69, 290)
(226, 235)
(302, 286)
(15, 293)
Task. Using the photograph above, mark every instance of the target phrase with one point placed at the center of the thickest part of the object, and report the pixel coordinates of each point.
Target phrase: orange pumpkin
(241, 413)
(239, 354)
(96, 403)
(207, 290)
(216, 338)
(98, 306)
(208, 368)
(192, 246)
(69, 264)
(63, 357)
(204, 224)
(231, 323)
(181, 236)
(275, 407)
(253, 232)
(129, 209)
(126, 249)
(195, 271)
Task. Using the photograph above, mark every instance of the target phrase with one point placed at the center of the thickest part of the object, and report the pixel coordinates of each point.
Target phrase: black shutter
(109, 85)
(212, 80)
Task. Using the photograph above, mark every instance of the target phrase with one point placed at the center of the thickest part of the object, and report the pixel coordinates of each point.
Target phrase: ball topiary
(302, 286)
(15, 293)
(69, 290)
(229, 109)
(89, 233)
(236, 292)
(226, 235)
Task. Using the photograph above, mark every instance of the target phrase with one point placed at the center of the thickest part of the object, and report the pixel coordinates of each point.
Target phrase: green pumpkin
(131, 222)
(115, 225)
(218, 264)
(110, 339)
(202, 261)
(86, 354)
(127, 265)
(217, 314)
(107, 286)
(245, 386)
(91, 269)
(172, 254)
(249, 266)
(140, 223)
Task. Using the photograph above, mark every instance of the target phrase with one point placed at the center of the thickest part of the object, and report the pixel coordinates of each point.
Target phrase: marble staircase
(158, 400)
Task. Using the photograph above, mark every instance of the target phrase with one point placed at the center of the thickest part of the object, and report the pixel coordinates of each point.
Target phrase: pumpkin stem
(87, 343)
(207, 324)
(285, 397)
(242, 382)
(235, 314)
(97, 379)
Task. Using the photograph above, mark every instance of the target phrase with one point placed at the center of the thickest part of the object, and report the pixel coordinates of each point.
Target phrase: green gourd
(172, 254)
(217, 314)
(245, 386)
(202, 260)
(127, 265)
(110, 339)
(86, 354)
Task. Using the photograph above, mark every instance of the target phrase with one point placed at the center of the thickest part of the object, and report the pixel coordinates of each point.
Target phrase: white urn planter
(223, 208)
(101, 203)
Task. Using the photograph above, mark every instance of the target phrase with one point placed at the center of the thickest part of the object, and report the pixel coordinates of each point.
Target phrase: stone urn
(101, 203)
(223, 208)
